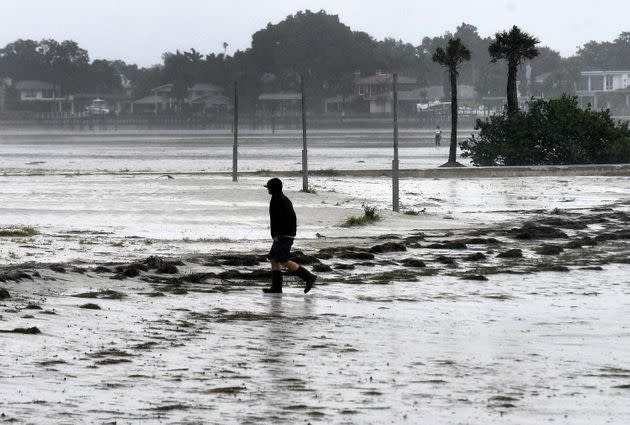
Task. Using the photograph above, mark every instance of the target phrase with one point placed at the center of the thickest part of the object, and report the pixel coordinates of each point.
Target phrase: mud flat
(510, 322)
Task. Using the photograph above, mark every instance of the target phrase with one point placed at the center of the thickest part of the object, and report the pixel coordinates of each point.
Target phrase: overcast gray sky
(139, 31)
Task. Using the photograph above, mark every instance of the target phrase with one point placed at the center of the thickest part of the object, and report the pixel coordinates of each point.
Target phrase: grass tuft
(414, 212)
(18, 232)
(370, 215)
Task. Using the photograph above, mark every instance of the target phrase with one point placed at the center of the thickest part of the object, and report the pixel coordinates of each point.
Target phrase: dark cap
(274, 185)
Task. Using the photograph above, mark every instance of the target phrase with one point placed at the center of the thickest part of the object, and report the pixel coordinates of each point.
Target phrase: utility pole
(235, 147)
(395, 202)
(304, 151)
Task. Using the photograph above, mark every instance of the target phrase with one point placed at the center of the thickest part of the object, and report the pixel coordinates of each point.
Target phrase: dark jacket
(282, 215)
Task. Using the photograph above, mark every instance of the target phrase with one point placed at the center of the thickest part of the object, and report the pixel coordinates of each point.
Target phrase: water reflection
(286, 353)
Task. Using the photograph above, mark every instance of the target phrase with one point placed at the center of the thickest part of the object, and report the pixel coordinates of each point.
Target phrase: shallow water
(440, 350)
(85, 216)
(213, 152)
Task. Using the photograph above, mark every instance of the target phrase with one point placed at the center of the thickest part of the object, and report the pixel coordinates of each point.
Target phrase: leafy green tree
(478, 47)
(451, 58)
(104, 77)
(316, 45)
(550, 132)
(396, 56)
(182, 69)
(144, 79)
(22, 60)
(606, 55)
(513, 47)
(67, 63)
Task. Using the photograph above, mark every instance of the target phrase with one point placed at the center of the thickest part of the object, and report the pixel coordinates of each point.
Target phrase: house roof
(211, 99)
(383, 79)
(280, 96)
(106, 96)
(464, 92)
(541, 78)
(34, 85)
(151, 99)
(206, 96)
(163, 87)
(586, 73)
(206, 87)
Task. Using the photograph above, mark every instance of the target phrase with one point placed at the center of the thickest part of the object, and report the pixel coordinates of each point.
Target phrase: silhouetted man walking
(283, 230)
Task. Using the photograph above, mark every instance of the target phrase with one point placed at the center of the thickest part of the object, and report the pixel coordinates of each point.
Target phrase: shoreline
(455, 172)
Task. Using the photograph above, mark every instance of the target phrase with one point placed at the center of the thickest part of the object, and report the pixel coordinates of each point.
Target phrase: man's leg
(276, 279)
(276, 265)
(292, 265)
(308, 277)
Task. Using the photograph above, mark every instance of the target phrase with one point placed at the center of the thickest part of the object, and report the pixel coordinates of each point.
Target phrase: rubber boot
(308, 277)
(276, 283)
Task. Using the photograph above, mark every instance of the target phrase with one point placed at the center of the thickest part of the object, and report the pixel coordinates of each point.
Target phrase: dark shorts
(281, 249)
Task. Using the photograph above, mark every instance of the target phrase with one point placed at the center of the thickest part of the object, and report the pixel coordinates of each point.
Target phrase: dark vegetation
(555, 131)
(16, 232)
(370, 215)
(513, 47)
(451, 58)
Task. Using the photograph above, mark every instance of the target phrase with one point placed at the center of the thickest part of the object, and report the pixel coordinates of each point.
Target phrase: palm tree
(513, 46)
(451, 58)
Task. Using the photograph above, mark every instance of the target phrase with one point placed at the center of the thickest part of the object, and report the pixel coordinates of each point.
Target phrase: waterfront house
(40, 95)
(605, 89)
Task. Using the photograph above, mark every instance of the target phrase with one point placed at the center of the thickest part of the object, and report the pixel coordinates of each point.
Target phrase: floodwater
(545, 339)
(517, 350)
(163, 152)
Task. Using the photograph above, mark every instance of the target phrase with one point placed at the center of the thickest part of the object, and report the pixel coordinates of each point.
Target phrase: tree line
(314, 44)
(547, 132)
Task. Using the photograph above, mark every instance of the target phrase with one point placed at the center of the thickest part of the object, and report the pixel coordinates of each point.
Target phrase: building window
(609, 82)
(48, 94)
(29, 94)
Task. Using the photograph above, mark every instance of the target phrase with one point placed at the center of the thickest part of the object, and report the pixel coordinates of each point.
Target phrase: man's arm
(275, 216)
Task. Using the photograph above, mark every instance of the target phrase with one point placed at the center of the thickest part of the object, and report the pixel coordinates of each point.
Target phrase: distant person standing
(438, 136)
(283, 230)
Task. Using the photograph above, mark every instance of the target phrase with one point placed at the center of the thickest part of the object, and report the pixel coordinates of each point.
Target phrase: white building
(41, 92)
(605, 89)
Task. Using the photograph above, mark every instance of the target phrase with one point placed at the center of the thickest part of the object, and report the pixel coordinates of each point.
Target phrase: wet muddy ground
(131, 297)
(519, 322)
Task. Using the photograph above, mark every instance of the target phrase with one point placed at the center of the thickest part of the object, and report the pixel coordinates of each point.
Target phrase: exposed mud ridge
(593, 238)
